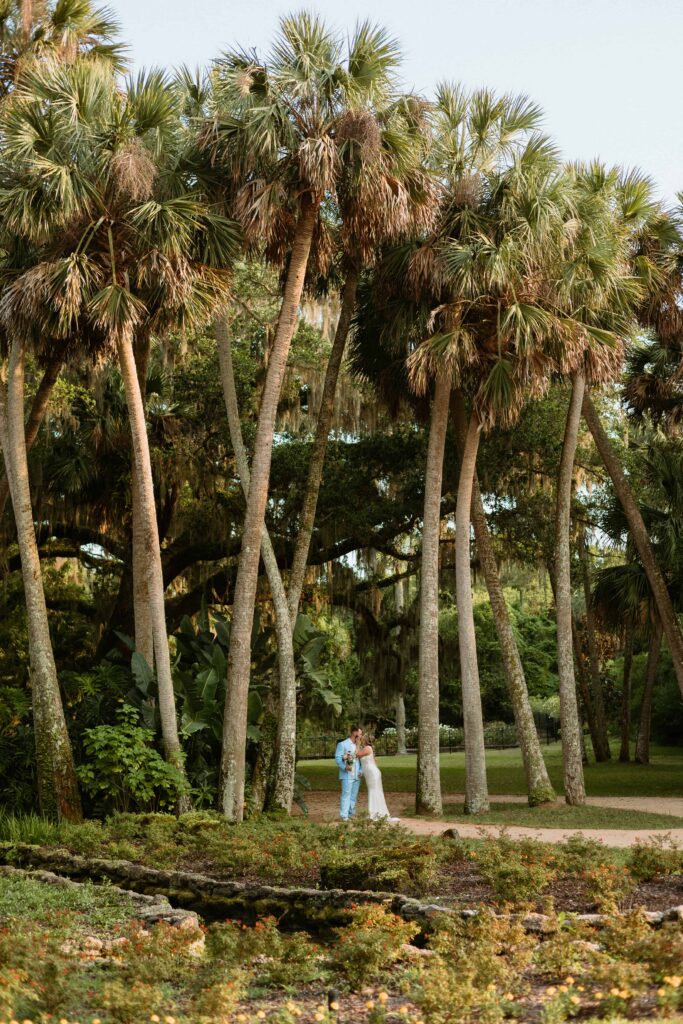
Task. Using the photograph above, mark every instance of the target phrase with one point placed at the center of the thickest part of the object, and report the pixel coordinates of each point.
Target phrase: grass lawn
(563, 816)
(662, 777)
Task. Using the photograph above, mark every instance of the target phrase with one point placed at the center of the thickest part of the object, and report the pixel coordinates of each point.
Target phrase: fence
(497, 736)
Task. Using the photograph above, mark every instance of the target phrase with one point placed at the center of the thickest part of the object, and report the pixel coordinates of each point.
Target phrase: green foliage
(371, 943)
(123, 771)
(656, 856)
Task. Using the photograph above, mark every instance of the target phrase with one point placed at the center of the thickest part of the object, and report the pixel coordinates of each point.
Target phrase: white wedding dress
(377, 805)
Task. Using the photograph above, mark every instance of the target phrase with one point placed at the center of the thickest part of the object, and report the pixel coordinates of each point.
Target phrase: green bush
(123, 770)
(373, 941)
(657, 856)
(410, 868)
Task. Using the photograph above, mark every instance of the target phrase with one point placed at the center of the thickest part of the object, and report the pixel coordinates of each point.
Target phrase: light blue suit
(350, 781)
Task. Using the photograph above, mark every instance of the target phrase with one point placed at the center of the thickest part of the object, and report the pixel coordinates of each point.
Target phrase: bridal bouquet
(348, 760)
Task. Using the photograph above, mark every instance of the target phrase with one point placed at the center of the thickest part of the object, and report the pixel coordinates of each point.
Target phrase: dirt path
(323, 806)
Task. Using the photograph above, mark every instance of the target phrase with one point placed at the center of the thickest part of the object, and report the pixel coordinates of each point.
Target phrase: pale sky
(606, 72)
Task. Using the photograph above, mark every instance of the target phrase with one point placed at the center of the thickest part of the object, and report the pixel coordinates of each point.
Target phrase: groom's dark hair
(354, 728)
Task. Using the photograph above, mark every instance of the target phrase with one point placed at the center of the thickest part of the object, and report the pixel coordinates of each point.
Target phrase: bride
(377, 805)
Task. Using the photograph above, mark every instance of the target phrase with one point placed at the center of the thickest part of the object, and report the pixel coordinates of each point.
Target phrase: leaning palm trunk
(401, 747)
(285, 743)
(539, 786)
(142, 617)
(625, 746)
(574, 789)
(37, 413)
(476, 790)
(601, 743)
(641, 539)
(57, 784)
(151, 556)
(428, 791)
(322, 433)
(239, 657)
(642, 755)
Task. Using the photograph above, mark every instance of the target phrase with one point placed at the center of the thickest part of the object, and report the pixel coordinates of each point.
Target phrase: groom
(349, 773)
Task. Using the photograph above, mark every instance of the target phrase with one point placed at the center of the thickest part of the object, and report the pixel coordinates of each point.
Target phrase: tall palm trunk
(625, 746)
(401, 747)
(539, 786)
(642, 755)
(37, 413)
(322, 433)
(641, 539)
(428, 786)
(476, 790)
(239, 657)
(142, 613)
(602, 751)
(151, 556)
(586, 698)
(574, 789)
(57, 784)
(283, 790)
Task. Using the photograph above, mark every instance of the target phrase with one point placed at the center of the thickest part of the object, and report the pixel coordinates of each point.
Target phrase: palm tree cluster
(475, 271)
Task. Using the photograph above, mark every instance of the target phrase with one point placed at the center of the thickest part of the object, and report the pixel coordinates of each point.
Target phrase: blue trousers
(349, 795)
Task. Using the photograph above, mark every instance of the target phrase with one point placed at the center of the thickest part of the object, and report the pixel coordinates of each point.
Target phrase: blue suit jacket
(346, 747)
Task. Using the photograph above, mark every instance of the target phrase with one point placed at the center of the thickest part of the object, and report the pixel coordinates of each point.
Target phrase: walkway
(323, 807)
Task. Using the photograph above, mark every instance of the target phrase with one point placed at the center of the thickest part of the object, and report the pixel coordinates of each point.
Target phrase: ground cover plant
(577, 875)
(78, 954)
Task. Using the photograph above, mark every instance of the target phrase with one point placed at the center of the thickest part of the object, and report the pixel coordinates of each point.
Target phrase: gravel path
(324, 807)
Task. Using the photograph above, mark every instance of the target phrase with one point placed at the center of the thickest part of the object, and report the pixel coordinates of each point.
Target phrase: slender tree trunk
(625, 747)
(151, 555)
(602, 753)
(642, 755)
(641, 539)
(57, 784)
(285, 742)
(476, 790)
(401, 747)
(142, 609)
(239, 658)
(37, 414)
(322, 433)
(539, 787)
(428, 790)
(574, 789)
(586, 698)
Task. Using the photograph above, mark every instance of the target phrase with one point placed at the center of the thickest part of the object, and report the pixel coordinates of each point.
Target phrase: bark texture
(574, 789)
(144, 632)
(285, 742)
(239, 657)
(37, 414)
(401, 747)
(57, 784)
(642, 755)
(625, 746)
(151, 555)
(539, 787)
(322, 433)
(476, 789)
(601, 741)
(428, 786)
(670, 625)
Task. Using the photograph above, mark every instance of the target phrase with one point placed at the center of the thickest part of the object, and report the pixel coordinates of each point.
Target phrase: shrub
(516, 871)
(372, 941)
(283, 959)
(657, 856)
(410, 868)
(123, 771)
(608, 884)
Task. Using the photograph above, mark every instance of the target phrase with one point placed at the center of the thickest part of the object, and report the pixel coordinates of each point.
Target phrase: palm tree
(275, 136)
(383, 193)
(121, 247)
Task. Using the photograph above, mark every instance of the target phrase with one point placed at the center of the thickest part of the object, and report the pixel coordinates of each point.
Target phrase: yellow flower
(155, 1018)
(334, 1005)
(562, 988)
(673, 980)
(318, 1015)
(661, 991)
(575, 1000)
(614, 992)
(261, 1014)
(551, 990)
(169, 1020)
(403, 1010)
(383, 997)
(580, 988)
(569, 980)
(599, 995)
(369, 1005)
(241, 1017)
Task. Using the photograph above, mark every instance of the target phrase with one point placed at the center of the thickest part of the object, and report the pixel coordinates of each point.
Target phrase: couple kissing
(355, 758)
